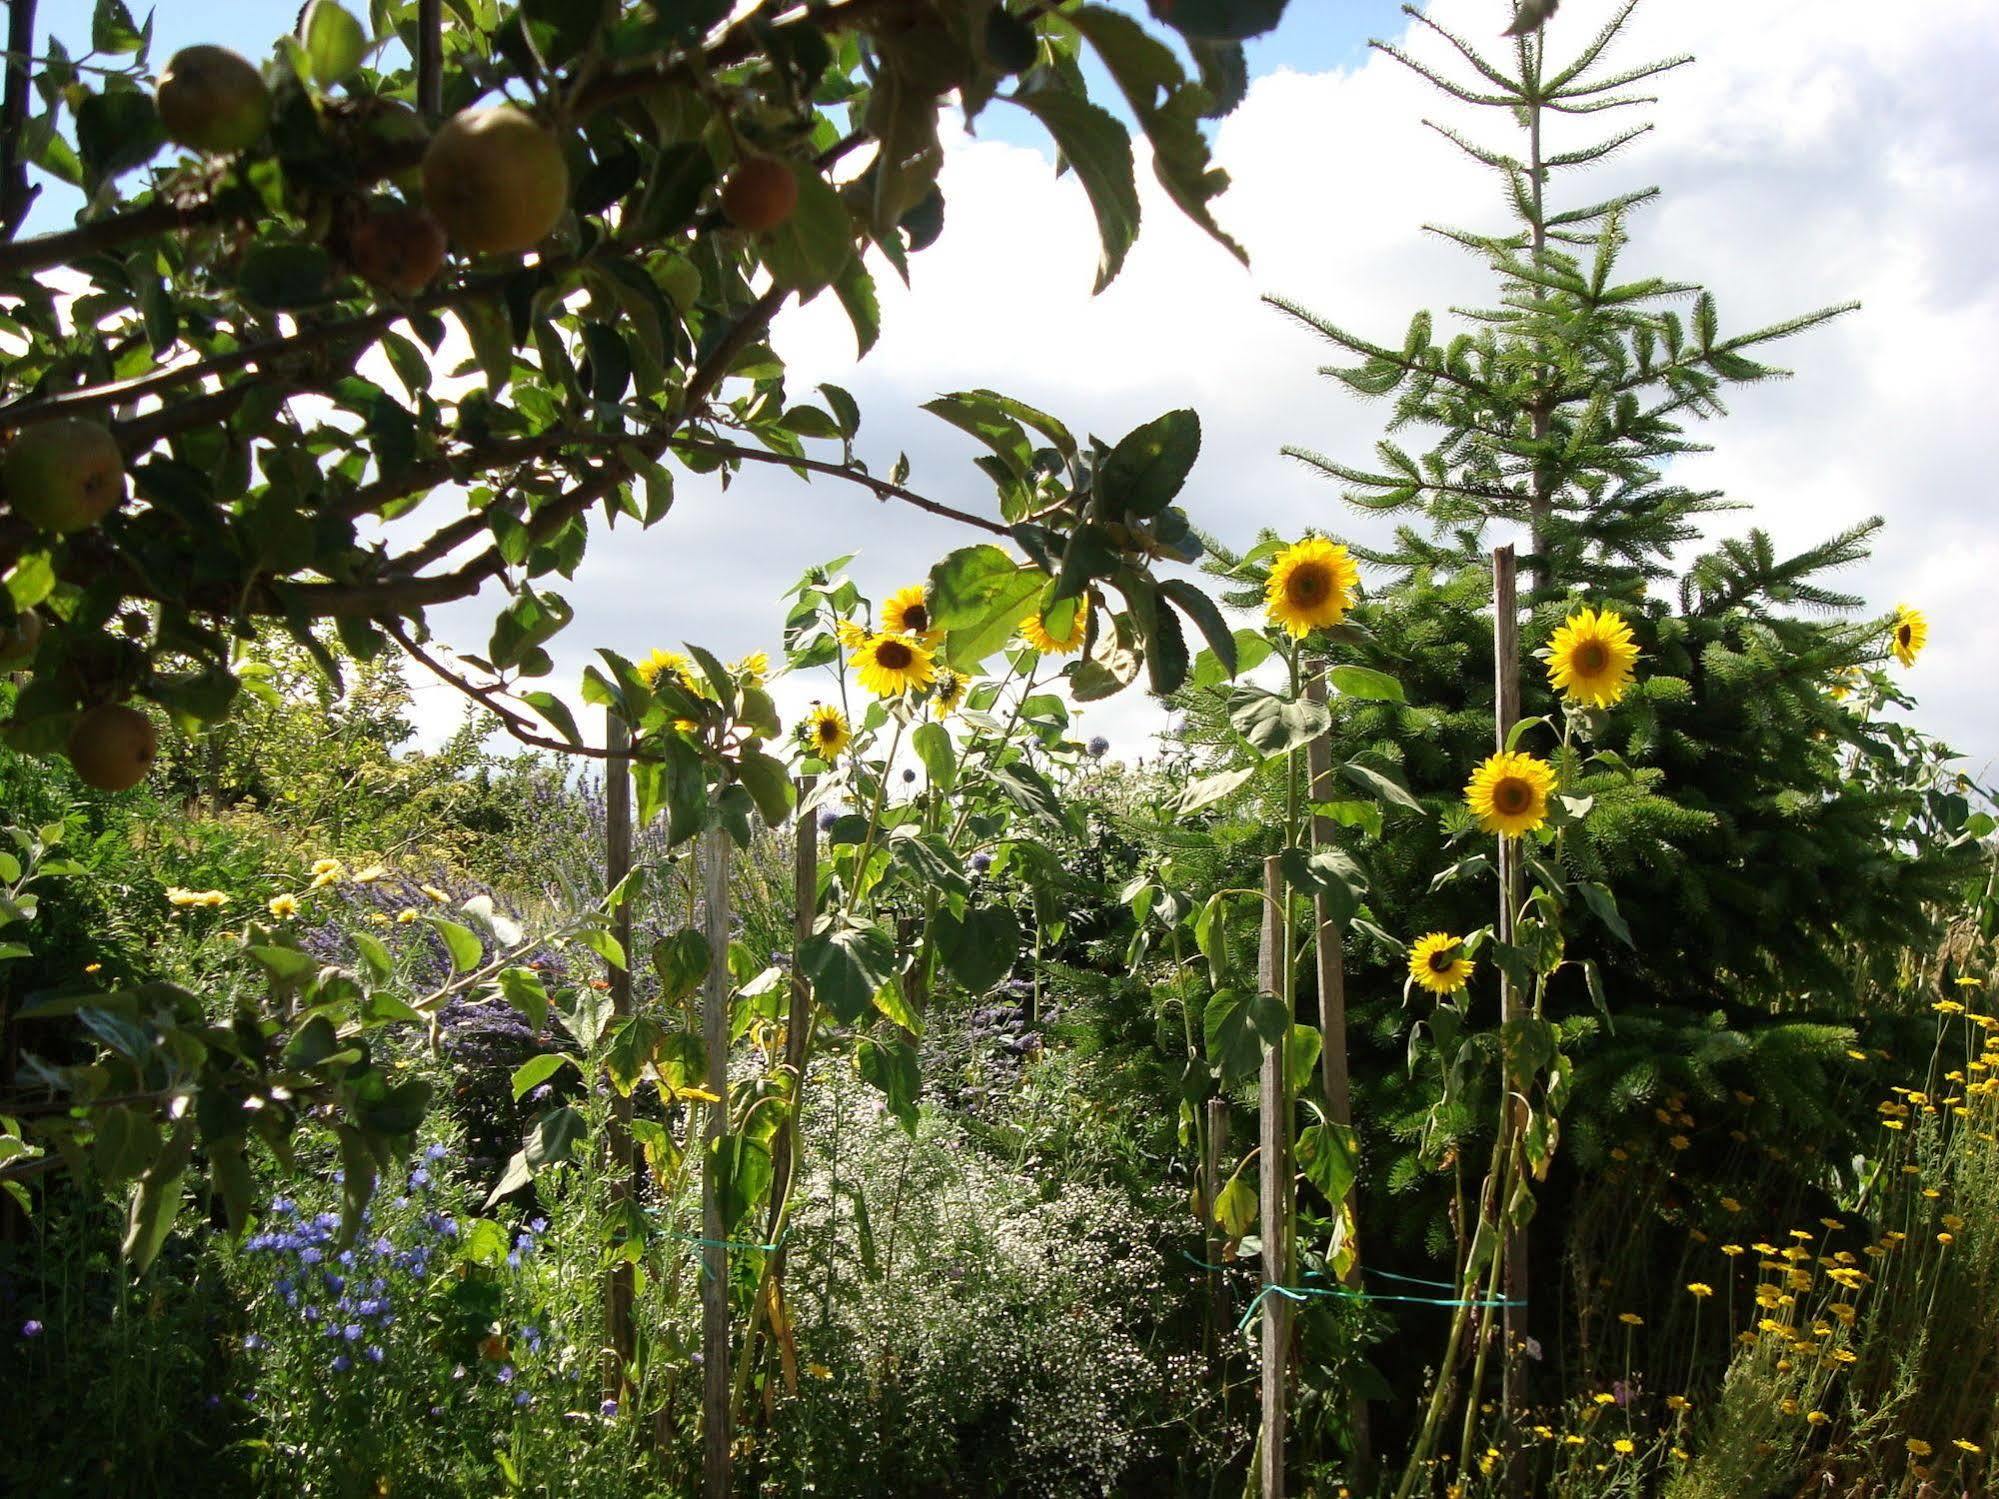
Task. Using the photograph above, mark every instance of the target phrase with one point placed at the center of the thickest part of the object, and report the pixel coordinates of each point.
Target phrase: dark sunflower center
(1905, 634)
(1590, 657)
(916, 617)
(1512, 796)
(1308, 585)
(1441, 961)
(828, 730)
(894, 655)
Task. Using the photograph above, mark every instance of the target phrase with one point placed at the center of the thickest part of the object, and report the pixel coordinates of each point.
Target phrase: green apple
(213, 100)
(496, 180)
(63, 475)
(112, 747)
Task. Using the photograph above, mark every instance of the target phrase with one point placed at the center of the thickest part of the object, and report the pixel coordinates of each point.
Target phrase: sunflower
(1843, 682)
(664, 664)
(951, 687)
(1912, 633)
(827, 732)
(850, 633)
(1035, 633)
(1591, 656)
(1311, 586)
(892, 664)
(1439, 964)
(907, 612)
(753, 668)
(1509, 793)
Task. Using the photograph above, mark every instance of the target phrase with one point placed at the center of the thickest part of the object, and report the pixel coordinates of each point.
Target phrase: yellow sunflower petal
(1311, 586)
(1438, 963)
(1591, 656)
(1509, 793)
(890, 665)
(1035, 632)
(1912, 633)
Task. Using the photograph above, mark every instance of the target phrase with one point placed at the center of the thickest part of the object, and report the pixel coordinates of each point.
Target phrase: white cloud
(1816, 152)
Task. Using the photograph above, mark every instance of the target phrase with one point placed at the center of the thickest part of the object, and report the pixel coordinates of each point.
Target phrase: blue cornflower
(419, 1177)
(608, 1410)
(375, 1355)
(352, 1332)
(506, 1374)
(311, 1313)
(524, 1398)
(342, 1363)
(435, 1153)
(383, 1246)
(310, 1256)
(252, 1343)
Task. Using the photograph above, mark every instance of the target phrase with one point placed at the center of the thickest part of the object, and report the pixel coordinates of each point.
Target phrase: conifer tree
(1748, 857)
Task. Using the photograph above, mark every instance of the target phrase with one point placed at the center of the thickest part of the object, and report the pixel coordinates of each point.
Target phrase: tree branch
(15, 194)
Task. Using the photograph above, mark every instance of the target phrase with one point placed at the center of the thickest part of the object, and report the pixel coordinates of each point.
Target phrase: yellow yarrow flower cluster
(210, 899)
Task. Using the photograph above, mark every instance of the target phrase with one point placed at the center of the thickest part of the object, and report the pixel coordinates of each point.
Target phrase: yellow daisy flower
(405, 917)
(892, 664)
(1591, 656)
(1036, 633)
(1438, 963)
(1311, 586)
(1918, 1447)
(437, 896)
(1700, 1290)
(907, 612)
(282, 906)
(826, 731)
(371, 874)
(1624, 1446)
(1509, 793)
(178, 896)
(327, 866)
(951, 687)
(1912, 633)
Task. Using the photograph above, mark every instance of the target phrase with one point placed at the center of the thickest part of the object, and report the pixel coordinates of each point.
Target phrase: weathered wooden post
(1211, 1235)
(1329, 955)
(1274, 1162)
(1506, 713)
(618, 1346)
(798, 1021)
(715, 1415)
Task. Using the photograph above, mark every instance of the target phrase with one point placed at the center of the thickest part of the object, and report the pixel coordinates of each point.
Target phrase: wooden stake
(798, 1022)
(1211, 1234)
(622, 1162)
(1274, 1161)
(1330, 956)
(1506, 713)
(715, 1417)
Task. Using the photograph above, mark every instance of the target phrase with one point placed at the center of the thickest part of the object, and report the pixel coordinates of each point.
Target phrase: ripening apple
(761, 194)
(395, 248)
(63, 475)
(112, 747)
(212, 100)
(495, 179)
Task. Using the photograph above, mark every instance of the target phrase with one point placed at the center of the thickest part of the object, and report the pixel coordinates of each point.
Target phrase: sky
(1815, 153)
